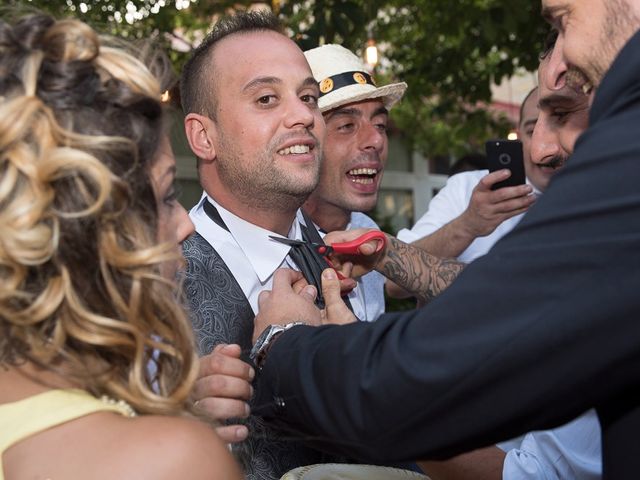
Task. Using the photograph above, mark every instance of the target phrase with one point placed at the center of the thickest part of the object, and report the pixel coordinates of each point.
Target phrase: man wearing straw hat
(356, 113)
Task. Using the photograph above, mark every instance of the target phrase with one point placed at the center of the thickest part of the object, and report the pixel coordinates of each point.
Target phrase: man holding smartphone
(467, 217)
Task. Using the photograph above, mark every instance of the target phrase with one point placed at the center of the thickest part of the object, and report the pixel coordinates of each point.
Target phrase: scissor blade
(286, 241)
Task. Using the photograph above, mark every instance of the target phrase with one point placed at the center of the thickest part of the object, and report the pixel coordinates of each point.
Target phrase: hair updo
(80, 286)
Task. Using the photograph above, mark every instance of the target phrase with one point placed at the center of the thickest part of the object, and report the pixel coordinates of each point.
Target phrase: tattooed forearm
(417, 271)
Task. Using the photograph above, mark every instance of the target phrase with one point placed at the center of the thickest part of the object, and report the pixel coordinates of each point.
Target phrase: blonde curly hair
(81, 292)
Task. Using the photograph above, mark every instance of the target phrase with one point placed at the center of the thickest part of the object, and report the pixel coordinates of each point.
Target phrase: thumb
(336, 311)
(309, 292)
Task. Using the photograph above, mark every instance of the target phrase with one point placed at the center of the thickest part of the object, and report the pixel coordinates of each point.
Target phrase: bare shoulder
(174, 448)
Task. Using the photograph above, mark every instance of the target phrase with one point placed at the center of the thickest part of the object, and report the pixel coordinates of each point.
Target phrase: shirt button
(279, 401)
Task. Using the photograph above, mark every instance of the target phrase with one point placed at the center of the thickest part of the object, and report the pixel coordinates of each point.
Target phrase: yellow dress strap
(19, 420)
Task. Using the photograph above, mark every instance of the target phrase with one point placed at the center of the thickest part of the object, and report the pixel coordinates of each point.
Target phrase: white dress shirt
(252, 257)
(450, 202)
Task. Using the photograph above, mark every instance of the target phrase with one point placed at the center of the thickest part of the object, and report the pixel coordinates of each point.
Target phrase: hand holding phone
(507, 154)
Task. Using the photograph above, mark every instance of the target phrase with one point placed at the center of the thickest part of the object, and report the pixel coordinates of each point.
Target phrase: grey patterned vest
(221, 313)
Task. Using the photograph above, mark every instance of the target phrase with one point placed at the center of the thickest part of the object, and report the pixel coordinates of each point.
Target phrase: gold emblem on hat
(326, 85)
(358, 77)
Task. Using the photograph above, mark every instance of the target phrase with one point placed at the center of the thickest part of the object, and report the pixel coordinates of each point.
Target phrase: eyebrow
(262, 81)
(352, 111)
(170, 172)
(310, 81)
(556, 99)
(548, 12)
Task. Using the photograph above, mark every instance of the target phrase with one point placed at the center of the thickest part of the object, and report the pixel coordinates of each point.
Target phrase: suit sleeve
(528, 337)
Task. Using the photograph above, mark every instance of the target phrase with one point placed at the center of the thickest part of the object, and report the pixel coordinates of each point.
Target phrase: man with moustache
(253, 122)
(466, 218)
(548, 324)
(355, 152)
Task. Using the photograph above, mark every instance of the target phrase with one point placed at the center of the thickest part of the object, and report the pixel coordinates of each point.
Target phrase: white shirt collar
(264, 254)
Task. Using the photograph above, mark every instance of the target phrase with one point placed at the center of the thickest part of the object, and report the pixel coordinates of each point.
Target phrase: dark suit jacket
(542, 328)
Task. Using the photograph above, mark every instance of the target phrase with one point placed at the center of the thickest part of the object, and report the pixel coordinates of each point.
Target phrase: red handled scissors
(347, 248)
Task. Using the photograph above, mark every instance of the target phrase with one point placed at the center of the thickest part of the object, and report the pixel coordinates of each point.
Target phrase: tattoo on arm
(422, 274)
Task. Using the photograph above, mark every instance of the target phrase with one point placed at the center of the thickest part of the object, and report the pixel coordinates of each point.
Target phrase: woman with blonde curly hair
(89, 242)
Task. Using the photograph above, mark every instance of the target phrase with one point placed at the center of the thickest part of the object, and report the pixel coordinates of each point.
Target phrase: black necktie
(306, 258)
(312, 257)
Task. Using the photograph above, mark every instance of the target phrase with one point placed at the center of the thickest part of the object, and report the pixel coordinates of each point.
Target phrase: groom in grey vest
(253, 121)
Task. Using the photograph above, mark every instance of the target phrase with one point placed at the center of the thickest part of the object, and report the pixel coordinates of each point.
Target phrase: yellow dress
(21, 419)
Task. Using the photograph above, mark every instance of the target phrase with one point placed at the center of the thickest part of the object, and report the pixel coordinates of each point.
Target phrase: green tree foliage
(449, 52)
(164, 20)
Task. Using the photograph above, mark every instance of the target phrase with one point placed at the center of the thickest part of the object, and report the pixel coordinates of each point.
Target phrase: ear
(199, 130)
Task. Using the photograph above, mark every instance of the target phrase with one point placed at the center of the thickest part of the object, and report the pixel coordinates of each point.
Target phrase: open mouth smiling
(364, 176)
(295, 149)
(578, 81)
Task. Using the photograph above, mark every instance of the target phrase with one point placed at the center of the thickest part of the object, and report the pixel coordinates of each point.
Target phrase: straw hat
(343, 79)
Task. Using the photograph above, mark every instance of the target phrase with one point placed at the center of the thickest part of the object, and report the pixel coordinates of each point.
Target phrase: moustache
(556, 162)
(578, 81)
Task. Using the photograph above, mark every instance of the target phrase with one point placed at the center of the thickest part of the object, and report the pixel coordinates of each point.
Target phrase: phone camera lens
(504, 159)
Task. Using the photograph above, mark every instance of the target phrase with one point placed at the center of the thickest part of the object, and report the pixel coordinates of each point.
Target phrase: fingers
(284, 278)
(222, 409)
(310, 293)
(233, 433)
(224, 386)
(299, 285)
(225, 360)
(346, 285)
(501, 194)
(336, 312)
(345, 235)
(370, 247)
(263, 299)
(492, 178)
(508, 193)
(347, 269)
(520, 203)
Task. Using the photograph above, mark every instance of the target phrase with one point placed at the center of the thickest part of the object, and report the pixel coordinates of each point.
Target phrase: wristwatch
(265, 340)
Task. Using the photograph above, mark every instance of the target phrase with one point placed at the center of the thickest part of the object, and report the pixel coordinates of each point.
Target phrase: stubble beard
(263, 184)
(619, 25)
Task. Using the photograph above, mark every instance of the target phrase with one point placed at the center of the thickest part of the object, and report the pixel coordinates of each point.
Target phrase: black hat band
(331, 84)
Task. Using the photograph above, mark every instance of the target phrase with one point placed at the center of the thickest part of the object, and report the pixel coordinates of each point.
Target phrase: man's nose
(185, 225)
(544, 142)
(372, 137)
(299, 114)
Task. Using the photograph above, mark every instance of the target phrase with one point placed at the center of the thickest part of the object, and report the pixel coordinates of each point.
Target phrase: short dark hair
(533, 90)
(195, 83)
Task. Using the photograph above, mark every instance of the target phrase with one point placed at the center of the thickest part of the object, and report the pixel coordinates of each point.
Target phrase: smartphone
(506, 154)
